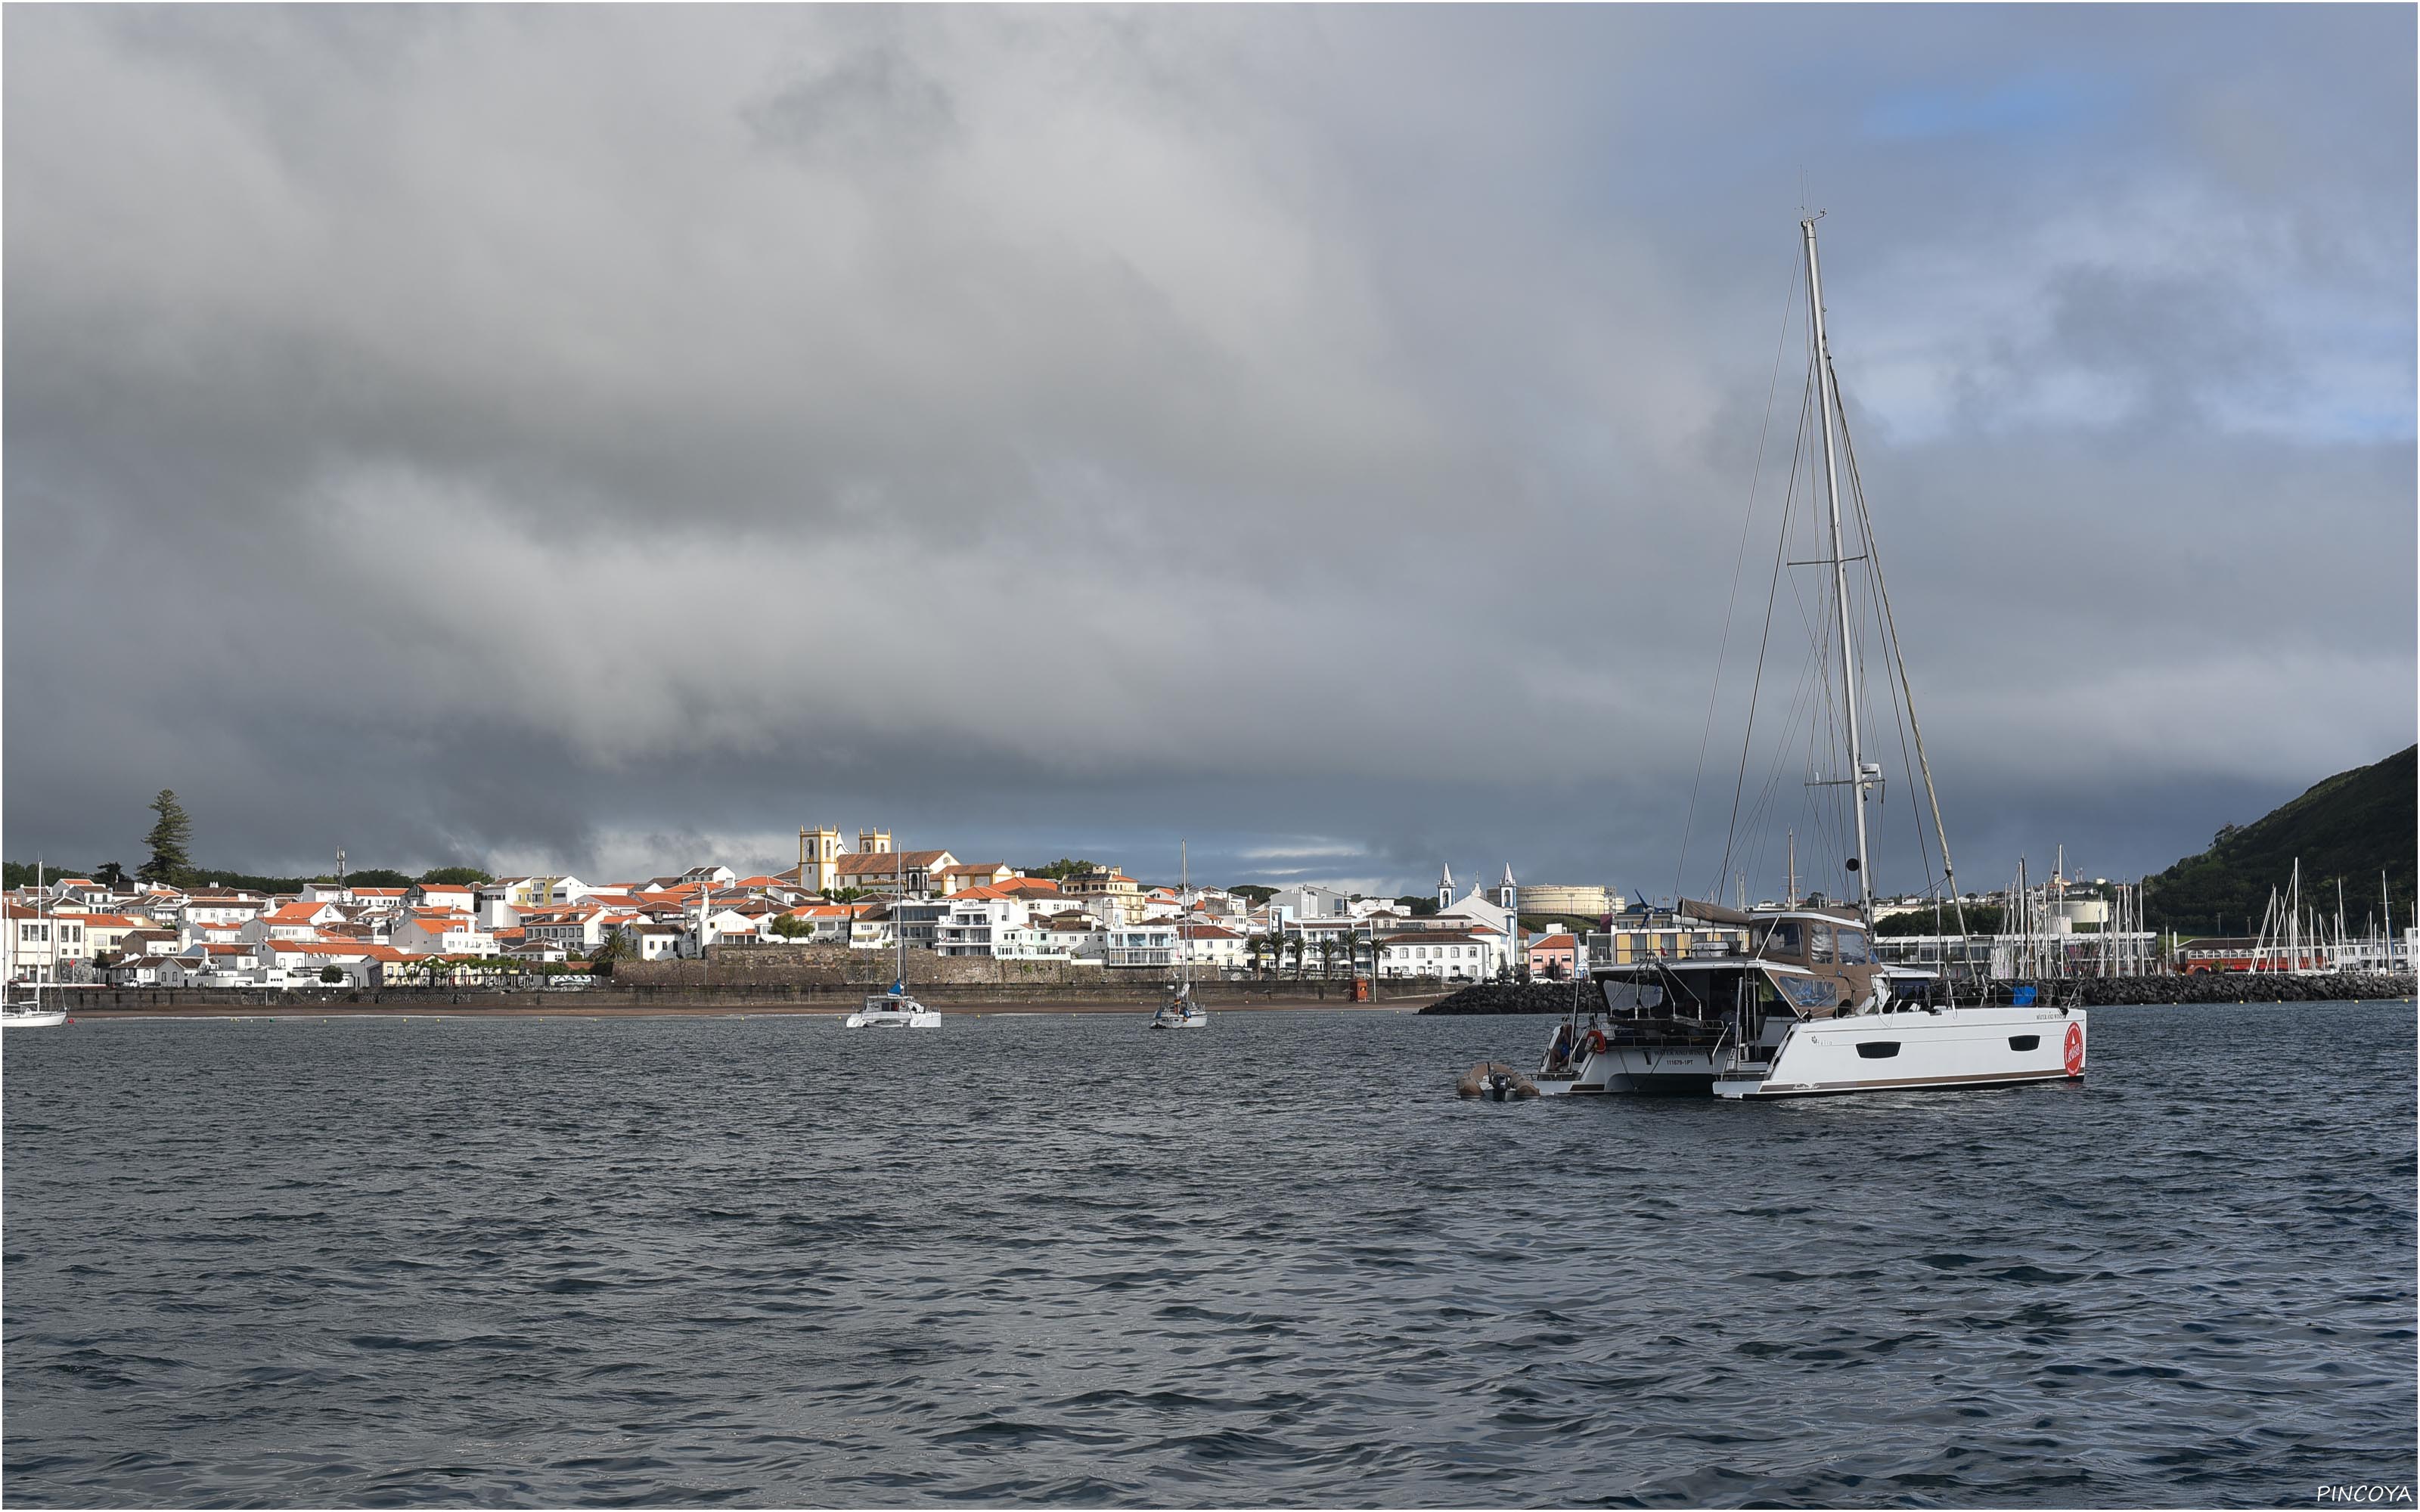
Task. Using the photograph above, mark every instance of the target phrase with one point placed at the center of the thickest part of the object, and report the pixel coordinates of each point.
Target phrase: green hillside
(2354, 825)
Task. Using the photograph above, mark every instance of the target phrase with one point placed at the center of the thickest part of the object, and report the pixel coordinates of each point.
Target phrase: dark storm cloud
(599, 437)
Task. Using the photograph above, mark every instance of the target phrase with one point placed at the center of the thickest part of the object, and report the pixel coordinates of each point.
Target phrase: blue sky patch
(2035, 105)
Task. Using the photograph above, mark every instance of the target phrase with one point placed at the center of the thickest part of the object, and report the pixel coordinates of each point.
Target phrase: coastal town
(567, 932)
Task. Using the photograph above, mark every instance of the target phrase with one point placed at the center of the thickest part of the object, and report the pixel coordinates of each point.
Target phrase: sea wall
(830, 966)
(717, 996)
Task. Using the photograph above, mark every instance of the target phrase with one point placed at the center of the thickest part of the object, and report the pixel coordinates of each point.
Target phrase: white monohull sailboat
(1181, 1011)
(30, 1013)
(896, 1009)
(1797, 1004)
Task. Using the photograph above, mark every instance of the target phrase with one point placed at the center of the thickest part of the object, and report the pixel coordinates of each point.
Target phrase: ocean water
(1034, 1258)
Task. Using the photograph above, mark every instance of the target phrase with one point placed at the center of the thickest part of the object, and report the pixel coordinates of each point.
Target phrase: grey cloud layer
(533, 434)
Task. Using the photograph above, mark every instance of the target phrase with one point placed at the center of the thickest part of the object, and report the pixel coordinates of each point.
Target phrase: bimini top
(1819, 960)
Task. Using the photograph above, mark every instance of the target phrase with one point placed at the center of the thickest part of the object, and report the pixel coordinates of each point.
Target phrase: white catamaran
(30, 1013)
(1797, 1004)
(1181, 1011)
(896, 1009)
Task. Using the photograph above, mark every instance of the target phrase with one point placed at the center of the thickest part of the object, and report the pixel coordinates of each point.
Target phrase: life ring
(1593, 1042)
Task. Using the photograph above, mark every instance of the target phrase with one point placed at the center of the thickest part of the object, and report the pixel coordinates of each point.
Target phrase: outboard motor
(1494, 1082)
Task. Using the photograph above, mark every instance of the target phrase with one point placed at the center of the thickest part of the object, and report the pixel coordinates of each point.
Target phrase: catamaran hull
(927, 1020)
(1957, 1047)
(1201, 1023)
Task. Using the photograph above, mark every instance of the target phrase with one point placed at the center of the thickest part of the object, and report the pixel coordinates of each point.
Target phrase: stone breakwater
(2238, 987)
(2097, 991)
(1515, 997)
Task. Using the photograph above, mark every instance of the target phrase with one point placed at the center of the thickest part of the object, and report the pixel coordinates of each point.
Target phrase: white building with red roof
(1213, 945)
(293, 922)
(41, 949)
(1470, 952)
(442, 934)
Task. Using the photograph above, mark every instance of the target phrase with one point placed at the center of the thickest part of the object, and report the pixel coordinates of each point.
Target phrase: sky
(1352, 441)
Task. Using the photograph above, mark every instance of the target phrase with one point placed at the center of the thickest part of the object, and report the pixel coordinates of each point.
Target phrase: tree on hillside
(455, 877)
(109, 874)
(1253, 891)
(372, 877)
(1982, 919)
(15, 875)
(1060, 870)
(1418, 908)
(168, 838)
(2354, 825)
(791, 927)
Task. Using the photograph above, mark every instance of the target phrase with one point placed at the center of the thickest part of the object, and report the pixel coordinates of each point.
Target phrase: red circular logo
(2075, 1050)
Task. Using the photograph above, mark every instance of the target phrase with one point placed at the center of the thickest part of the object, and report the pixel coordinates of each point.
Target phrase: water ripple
(1058, 1259)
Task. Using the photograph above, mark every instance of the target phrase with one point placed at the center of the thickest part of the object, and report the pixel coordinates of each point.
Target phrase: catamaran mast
(1857, 778)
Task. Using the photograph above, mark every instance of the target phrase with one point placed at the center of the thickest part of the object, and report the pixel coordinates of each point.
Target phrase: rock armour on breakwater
(1515, 997)
(2238, 987)
(2098, 992)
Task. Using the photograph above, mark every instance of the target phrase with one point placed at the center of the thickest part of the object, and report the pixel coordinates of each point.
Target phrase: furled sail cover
(1713, 913)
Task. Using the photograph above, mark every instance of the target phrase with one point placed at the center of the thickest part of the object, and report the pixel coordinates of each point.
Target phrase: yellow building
(1105, 888)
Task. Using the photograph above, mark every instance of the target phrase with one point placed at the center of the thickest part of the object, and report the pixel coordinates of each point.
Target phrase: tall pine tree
(167, 840)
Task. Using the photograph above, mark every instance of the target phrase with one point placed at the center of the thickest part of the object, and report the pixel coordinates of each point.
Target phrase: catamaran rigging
(1795, 1001)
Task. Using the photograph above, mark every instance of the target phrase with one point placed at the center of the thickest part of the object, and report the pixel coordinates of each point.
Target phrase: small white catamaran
(1181, 1011)
(1798, 1005)
(896, 1009)
(30, 1013)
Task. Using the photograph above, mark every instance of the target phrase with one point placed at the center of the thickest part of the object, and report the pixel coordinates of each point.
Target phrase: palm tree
(616, 946)
(1327, 946)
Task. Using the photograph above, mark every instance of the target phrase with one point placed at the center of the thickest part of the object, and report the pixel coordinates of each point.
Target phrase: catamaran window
(1785, 938)
(1626, 996)
(1853, 951)
(1818, 948)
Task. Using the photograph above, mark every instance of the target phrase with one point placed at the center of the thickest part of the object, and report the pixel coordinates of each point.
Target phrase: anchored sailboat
(31, 1014)
(898, 1008)
(1181, 1011)
(1792, 1002)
